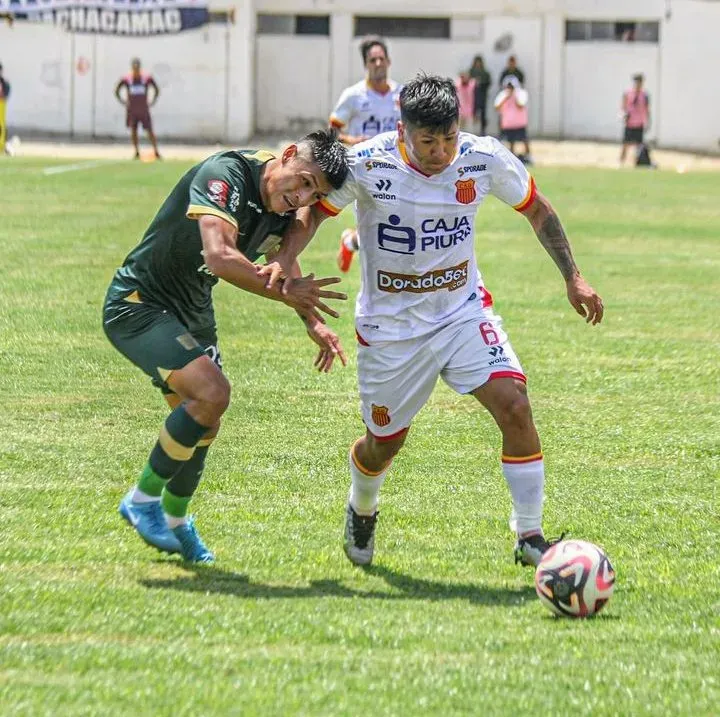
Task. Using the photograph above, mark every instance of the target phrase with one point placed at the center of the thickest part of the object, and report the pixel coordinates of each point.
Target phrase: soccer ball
(574, 579)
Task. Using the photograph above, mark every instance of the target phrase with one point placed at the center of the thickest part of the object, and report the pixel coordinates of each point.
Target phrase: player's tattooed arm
(551, 234)
(583, 298)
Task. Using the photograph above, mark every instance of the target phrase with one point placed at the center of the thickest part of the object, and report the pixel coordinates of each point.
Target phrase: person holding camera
(511, 104)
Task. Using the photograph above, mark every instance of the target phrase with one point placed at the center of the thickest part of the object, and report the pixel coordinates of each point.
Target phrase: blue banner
(134, 18)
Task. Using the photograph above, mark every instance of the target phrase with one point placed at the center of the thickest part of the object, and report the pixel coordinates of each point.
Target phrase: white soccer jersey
(363, 111)
(416, 232)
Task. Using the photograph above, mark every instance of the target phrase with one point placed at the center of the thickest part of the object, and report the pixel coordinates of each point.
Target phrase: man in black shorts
(635, 107)
(221, 216)
(511, 104)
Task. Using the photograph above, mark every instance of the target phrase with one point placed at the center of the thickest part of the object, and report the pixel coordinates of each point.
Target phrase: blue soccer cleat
(149, 521)
(193, 549)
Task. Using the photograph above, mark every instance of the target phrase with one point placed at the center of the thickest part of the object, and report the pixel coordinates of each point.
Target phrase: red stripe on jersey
(360, 339)
(529, 197)
(508, 374)
(486, 297)
(406, 159)
(327, 208)
(335, 122)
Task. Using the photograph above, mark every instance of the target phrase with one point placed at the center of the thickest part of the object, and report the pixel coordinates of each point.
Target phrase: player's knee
(212, 432)
(516, 413)
(386, 450)
(216, 397)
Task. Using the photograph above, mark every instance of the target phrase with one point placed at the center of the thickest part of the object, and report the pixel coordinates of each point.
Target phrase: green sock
(150, 482)
(175, 505)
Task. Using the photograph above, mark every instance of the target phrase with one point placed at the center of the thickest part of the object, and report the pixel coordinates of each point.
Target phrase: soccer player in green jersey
(221, 216)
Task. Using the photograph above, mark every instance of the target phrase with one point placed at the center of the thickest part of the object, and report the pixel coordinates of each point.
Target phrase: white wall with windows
(283, 63)
(65, 84)
(578, 55)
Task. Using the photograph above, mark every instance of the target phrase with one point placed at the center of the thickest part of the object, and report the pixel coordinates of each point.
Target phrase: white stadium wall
(595, 76)
(688, 111)
(292, 96)
(225, 82)
(41, 80)
(66, 83)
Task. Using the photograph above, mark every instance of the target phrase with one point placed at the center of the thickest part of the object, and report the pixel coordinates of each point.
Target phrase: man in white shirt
(364, 110)
(423, 310)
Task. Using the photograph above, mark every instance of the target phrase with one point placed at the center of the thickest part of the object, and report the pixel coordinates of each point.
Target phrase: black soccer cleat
(529, 551)
(359, 542)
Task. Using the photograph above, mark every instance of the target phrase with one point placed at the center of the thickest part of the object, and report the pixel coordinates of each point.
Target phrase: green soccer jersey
(167, 267)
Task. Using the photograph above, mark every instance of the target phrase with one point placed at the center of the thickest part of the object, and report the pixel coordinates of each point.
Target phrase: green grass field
(94, 622)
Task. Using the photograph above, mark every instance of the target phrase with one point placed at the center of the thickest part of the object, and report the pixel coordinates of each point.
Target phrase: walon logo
(383, 185)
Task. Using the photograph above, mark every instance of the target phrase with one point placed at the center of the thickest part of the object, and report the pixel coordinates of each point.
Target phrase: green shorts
(154, 339)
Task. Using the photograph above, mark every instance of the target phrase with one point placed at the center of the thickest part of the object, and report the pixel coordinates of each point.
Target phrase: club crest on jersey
(380, 415)
(218, 192)
(465, 191)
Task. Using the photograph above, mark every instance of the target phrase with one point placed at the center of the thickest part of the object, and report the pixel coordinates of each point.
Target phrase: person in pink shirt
(511, 104)
(465, 86)
(636, 111)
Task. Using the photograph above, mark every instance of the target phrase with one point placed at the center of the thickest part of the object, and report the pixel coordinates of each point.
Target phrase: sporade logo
(377, 164)
(474, 168)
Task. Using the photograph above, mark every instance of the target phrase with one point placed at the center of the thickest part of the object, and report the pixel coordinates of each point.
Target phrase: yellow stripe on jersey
(195, 211)
(403, 152)
(529, 197)
(164, 373)
(328, 208)
(261, 155)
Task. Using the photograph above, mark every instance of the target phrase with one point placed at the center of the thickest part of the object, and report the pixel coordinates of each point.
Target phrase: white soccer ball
(574, 579)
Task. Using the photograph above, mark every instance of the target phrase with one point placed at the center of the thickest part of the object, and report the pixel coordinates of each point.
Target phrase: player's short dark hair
(368, 43)
(329, 154)
(430, 102)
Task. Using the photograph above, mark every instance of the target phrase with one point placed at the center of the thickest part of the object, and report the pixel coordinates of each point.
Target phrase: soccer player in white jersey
(364, 110)
(423, 311)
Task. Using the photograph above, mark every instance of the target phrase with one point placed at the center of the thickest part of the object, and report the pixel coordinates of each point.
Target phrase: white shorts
(396, 378)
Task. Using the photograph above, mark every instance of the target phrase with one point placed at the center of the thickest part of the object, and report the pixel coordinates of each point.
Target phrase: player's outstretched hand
(329, 343)
(306, 295)
(273, 271)
(585, 300)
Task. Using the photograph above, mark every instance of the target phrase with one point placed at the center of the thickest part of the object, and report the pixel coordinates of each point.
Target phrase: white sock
(526, 482)
(364, 488)
(173, 521)
(139, 497)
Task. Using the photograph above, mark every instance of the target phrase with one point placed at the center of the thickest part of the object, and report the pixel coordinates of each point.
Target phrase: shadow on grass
(208, 579)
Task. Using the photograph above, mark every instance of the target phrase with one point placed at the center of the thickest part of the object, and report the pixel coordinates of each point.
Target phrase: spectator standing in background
(365, 109)
(4, 94)
(635, 107)
(137, 86)
(511, 104)
(482, 85)
(465, 87)
(511, 70)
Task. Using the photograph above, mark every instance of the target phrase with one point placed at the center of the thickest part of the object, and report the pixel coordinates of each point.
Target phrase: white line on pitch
(79, 165)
